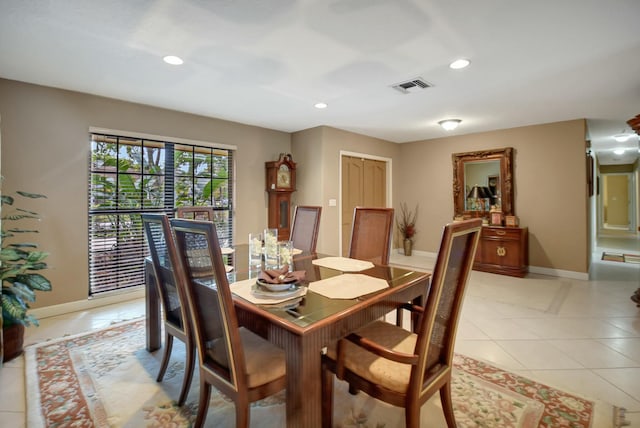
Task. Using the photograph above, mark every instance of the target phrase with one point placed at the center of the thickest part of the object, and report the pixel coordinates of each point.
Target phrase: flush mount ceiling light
(449, 124)
(459, 63)
(320, 105)
(621, 138)
(173, 60)
(618, 151)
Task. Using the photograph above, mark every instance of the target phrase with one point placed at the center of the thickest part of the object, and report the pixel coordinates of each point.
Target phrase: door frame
(389, 198)
(631, 200)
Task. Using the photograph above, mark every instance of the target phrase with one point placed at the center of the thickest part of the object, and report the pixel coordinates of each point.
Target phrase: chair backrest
(371, 234)
(166, 267)
(195, 213)
(439, 322)
(215, 325)
(306, 223)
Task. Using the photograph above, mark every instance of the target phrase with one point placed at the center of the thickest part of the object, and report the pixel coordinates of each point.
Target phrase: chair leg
(242, 412)
(168, 346)
(188, 373)
(447, 404)
(203, 402)
(412, 415)
(327, 398)
(399, 317)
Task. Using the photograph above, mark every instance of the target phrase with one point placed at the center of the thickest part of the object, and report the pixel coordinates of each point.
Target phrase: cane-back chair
(166, 266)
(304, 231)
(400, 367)
(242, 365)
(371, 234)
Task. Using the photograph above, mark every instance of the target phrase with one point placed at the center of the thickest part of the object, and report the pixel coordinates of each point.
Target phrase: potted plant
(406, 224)
(20, 263)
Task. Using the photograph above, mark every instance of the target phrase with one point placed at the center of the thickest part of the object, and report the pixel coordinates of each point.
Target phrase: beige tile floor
(582, 336)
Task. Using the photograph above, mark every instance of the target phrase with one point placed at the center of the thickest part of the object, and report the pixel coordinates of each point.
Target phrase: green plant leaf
(30, 195)
(12, 308)
(22, 290)
(36, 281)
(7, 200)
(9, 254)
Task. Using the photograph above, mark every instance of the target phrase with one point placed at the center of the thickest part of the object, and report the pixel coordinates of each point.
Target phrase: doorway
(365, 181)
(617, 202)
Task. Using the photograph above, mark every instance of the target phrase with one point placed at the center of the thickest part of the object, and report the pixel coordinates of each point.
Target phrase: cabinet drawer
(501, 233)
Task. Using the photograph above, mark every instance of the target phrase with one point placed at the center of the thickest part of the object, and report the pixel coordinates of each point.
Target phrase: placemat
(348, 286)
(343, 264)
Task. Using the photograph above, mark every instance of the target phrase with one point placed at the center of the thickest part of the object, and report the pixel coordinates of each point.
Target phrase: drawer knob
(500, 232)
(501, 251)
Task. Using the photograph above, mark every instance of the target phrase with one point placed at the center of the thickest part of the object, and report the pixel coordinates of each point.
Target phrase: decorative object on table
(255, 251)
(280, 184)
(496, 216)
(270, 248)
(285, 254)
(119, 350)
(406, 224)
(21, 262)
(281, 276)
(511, 221)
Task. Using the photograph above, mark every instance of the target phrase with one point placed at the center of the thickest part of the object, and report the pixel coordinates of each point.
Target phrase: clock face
(284, 176)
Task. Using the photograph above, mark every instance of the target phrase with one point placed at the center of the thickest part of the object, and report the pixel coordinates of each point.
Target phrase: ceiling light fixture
(619, 151)
(449, 124)
(173, 60)
(459, 63)
(320, 105)
(621, 138)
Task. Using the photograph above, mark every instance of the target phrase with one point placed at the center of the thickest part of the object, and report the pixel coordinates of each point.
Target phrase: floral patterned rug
(107, 379)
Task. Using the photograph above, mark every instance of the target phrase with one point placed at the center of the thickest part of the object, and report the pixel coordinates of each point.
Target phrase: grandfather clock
(281, 183)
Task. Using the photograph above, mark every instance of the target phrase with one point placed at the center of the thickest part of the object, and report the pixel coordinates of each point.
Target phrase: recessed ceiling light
(621, 138)
(449, 124)
(618, 151)
(173, 60)
(320, 105)
(459, 63)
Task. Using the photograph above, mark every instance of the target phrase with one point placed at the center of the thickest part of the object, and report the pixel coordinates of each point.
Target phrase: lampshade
(449, 124)
(478, 192)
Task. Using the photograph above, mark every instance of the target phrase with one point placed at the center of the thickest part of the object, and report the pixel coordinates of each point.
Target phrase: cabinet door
(503, 253)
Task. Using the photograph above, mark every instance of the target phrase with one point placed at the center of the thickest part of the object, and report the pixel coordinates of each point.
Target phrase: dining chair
(404, 368)
(306, 223)
(166, 267)
(371, 234)
(195, 212)
(240, 364)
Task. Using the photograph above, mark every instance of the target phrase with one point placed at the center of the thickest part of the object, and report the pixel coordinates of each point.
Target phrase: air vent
(411, 85)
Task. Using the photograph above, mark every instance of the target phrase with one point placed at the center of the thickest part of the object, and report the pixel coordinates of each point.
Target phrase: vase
(408, 246)
(12, 341)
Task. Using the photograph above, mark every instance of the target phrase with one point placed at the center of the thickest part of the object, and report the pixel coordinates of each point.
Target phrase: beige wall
(550, 188)
(325, 144)
(46, 150)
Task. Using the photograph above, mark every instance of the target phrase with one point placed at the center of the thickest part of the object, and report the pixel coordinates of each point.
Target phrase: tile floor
(583, 336)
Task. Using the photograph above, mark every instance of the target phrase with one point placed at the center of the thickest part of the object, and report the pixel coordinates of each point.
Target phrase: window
(128, 176)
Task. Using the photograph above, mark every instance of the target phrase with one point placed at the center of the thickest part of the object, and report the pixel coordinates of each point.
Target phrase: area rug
(107, 379)
(621, 257)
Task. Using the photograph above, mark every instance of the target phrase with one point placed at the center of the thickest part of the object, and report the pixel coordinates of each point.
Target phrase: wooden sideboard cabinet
(503, 250)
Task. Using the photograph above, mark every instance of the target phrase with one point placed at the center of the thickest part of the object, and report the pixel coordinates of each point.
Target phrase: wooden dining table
(303, 330)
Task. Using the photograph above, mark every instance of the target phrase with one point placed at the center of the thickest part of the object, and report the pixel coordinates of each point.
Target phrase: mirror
(482, 179)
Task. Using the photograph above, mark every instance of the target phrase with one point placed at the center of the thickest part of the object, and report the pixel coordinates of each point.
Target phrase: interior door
(616, 202)
(364, 183)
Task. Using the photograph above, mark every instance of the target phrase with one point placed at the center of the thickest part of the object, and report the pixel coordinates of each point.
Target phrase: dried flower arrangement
(406, 222)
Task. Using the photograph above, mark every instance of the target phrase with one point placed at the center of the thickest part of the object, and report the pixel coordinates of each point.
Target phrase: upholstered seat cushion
(265, 362)
(386, 373)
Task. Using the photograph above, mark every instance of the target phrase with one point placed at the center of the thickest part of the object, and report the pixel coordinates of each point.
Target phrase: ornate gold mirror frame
(506, 180)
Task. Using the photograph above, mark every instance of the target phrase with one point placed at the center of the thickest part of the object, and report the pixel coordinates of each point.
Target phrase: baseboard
(559, 273)
(81, 305)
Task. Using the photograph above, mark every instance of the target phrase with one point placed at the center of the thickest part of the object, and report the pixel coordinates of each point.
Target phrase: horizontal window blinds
(129, 176)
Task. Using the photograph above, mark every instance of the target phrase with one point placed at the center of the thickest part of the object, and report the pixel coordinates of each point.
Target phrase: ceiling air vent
(411, 85)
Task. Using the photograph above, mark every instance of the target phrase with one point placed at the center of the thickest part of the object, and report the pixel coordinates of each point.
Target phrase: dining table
(305, 325)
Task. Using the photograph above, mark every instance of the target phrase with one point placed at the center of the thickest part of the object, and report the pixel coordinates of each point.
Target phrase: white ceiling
(267, 63)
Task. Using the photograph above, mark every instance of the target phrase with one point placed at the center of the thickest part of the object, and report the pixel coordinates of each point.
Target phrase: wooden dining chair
(306, 223)
(240, 364)
(403, 368)
(166, 266)
(371, 234)
(195, 212)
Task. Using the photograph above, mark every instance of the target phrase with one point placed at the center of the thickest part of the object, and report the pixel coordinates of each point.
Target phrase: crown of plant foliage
(406, 222)
(20, 263)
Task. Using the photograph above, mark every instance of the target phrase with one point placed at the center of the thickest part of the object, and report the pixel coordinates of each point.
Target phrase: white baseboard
(80, 305)
(559, 273)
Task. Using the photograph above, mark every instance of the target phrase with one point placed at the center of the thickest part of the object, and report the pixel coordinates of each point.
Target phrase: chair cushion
(378, 370)
(264, 361)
